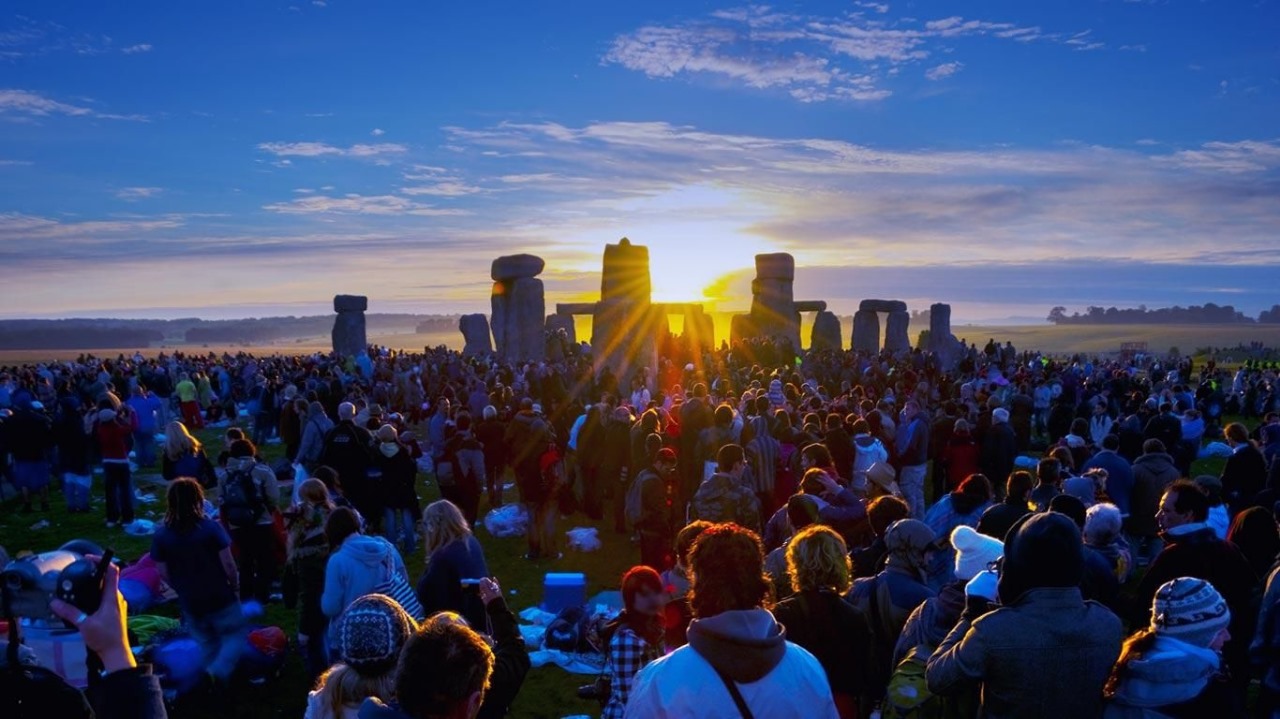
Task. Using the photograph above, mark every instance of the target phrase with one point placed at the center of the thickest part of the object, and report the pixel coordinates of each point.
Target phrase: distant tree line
(1208, 313)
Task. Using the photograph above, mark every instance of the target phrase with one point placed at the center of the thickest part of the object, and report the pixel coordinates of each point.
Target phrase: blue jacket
(913, 441)
(360, 566)
(1119, 477)
(440, 588)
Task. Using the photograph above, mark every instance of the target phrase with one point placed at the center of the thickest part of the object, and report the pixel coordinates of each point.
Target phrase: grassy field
(548, 692)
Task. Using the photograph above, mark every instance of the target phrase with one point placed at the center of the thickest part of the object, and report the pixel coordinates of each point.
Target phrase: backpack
(635, 498)
(566, 632)
(908, 695)
(242, 500)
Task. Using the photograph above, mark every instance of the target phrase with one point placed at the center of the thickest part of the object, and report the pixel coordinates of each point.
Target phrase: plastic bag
(584, 539)
(509, 520)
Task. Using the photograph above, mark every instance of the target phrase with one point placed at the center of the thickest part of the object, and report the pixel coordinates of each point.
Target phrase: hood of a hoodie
(1159, 460)
(237, 464)
(718, 485)
(1171, 672)
(965, 504)
(865, 441)
(370, 551)
(746, 645)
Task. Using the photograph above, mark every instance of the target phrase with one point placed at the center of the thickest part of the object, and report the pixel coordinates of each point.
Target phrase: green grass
(547, 692)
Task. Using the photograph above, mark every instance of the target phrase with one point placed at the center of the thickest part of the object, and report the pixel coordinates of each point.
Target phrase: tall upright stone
(942, 342)
(626, 326)
(826, 333)
(519, 307)
(699, 330)
(741, 328)
(475, 335)
(349, 338)
(557, 322)
(773, 300)
(897, 336)
(866, 331)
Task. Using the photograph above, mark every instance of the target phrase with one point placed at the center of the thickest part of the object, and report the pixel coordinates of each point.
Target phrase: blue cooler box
(560, 590)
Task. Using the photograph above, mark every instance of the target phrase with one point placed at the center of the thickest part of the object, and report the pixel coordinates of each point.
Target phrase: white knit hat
(974, 551)
(1189, 609)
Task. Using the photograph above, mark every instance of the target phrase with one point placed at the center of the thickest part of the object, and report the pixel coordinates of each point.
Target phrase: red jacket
(961, 456)
(113, 440)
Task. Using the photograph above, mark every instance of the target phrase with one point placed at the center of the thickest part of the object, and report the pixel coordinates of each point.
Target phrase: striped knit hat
(1190, 610)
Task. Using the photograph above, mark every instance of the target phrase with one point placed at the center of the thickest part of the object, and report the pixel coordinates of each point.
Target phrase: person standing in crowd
(74, 461)
(293, 411)
(868, 451)
(315, 428)
(527, 438)
(724, 497)
(1153, 472)
(1048, 484)
(634, 638)
(455, 564)
(30, 438)
(999, 446)
(654, 521)
(369, 637)
(912, 445)
(882, 512)
(818, 619)
(188, 402)
(359, 564)
(675, 583)
(734, 643)
(999, 518)
(466, 452)
(183, 456)
(1244, 474)
(308, 552)
(444, 673)
(1173, 666)
(248, 495)
(193, 556)
(399, 490)
(112, 429)
(348, 448)
(146, 407)
(1016, 651)
(491, 433)
(1119, 472)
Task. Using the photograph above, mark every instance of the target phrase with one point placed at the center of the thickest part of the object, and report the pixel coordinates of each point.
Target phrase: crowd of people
(832, 533)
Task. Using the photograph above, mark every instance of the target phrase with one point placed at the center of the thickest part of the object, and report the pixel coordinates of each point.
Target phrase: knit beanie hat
(1190, 610)
(371, 633)
(974, 551)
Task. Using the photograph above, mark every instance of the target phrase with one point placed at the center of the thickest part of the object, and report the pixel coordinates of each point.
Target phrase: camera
(31, 582)
(599, 690)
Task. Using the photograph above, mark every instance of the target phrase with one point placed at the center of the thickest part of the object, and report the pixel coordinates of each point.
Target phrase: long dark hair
(186, 504)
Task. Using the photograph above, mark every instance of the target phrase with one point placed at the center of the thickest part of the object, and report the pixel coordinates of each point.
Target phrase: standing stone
(773, 300)
(866, 331)
(699, 330)
(741, 328)
(883, 306)
(348, 336)
(626, 327)
(475, 335)
(556, 322)
(776, 266)
(826, 333)
(519, 307)
(942, 343)
(897, 336)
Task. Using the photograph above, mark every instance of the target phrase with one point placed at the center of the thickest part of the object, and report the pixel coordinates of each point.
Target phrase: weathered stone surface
(515, 267)
(773, 309)
(866, 331)
(475, 335)
(350, 303)
(942, 343)
(811, 306)
(558, 322)
(576, 308)
(526, 319)
(776, 266)
(349, 334)
(741, 328)
(897, 337)
(625, 274)
(699, 330)
(625, 337)
(883, 306)
(826, 333)
(498, 316)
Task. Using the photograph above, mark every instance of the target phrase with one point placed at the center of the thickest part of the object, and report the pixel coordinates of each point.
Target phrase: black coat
(999, 449)
(1243, 476)
(834, 631)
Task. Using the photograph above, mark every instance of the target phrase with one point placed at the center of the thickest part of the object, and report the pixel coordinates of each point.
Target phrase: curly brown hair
(727, 571)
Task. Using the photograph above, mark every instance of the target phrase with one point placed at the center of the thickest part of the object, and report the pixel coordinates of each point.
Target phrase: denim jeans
(119, 485)
(221, 636)
(911, 480)
(397, 523)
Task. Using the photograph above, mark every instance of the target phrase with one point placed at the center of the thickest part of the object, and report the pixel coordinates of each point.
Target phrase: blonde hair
(442, 524)
(178, 442)
(342, 687)
(313, 491)
(817, 558)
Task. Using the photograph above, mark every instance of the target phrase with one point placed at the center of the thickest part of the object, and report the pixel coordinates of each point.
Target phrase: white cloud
(320, 149)
(378, 132)
(358, 205)
(943, 71)
(132, 194)
(812, 58)
(136, 49)
(319, 3)
(29, 104)
(443, 189)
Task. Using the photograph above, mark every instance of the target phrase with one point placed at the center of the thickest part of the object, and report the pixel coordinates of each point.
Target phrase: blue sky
(249, 158)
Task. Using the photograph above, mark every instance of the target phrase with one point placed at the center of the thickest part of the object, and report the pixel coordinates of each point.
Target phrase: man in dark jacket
(654, 523)
(1119, 472)
(999, 518)
(1245, 472)
(1152, 473)
(348, 448)
(1017, 651)
(913, 455)
(1193, 550)
(695, 416)
(1165, 427)
(999, 447)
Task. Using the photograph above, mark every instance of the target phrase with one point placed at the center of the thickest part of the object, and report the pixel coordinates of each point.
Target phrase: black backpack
(242, 500)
